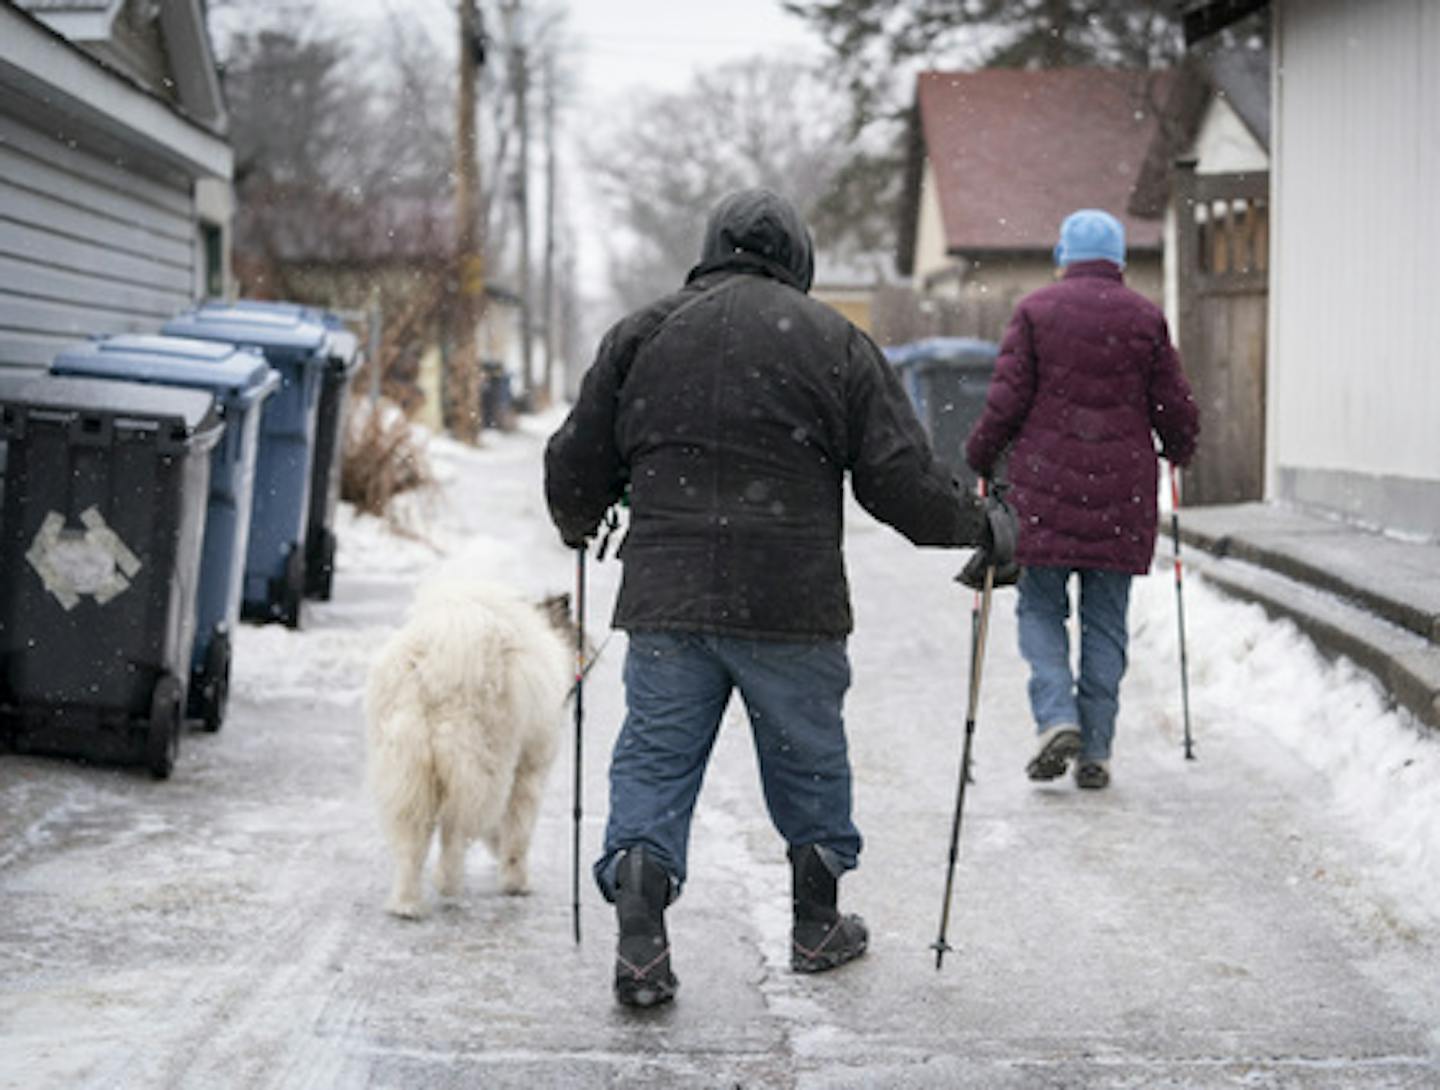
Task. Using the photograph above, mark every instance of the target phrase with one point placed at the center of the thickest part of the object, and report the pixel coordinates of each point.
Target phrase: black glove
(606, 527)
(997, 550)
(973, 573)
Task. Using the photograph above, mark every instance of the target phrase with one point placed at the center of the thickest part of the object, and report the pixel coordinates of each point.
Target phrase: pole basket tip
(941, 948)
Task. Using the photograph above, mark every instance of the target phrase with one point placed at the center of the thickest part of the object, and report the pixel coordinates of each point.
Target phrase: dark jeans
(677, 685)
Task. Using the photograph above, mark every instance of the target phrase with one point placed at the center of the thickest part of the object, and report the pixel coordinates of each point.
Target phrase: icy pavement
(1266, 915)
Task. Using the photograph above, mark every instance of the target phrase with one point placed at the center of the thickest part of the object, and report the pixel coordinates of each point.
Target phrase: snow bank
(1249, 673)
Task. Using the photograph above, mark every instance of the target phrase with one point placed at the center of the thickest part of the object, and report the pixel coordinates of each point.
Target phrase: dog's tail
(401, 769)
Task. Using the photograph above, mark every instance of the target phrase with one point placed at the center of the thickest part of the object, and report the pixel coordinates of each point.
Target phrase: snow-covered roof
(190, 75)
(51, 77)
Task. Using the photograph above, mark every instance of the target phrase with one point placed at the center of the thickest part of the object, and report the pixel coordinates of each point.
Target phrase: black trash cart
(104, 509)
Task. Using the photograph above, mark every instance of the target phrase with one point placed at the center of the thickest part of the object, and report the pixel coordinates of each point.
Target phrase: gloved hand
(580, 540)
(1002, 530)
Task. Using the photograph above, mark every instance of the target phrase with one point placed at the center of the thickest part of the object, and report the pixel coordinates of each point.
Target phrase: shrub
(384, 457)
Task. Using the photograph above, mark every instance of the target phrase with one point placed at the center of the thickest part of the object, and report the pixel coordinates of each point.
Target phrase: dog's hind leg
(410, 843)
(517, 823)
(405, 796)
(470, 802)
(450, 872)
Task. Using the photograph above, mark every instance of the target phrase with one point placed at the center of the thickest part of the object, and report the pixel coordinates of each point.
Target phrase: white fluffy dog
(464, 707)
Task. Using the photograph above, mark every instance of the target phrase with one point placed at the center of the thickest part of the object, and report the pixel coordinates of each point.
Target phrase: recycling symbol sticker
(73, 563)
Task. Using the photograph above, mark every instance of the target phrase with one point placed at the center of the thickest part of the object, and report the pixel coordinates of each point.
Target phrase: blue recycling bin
(104, 510)
(343, 358)
(947, 379)
(240, 381)
(295, 345)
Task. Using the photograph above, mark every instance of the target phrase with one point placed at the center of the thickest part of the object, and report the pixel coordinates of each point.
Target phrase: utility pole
(547, 292)
(462, 386)
(515, 30)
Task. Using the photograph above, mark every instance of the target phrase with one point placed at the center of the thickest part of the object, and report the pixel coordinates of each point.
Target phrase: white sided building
(1353, 376)
(1355, 372)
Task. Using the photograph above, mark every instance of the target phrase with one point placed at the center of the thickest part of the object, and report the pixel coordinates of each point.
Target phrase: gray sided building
(115, 195)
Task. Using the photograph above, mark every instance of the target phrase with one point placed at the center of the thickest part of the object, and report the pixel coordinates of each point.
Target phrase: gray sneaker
(1059, 745)
(1092, 775)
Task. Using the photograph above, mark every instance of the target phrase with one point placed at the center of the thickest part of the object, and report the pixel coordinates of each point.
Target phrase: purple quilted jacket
(1085, 374)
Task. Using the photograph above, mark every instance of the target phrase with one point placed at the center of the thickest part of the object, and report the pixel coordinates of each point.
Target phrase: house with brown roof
(998, 157)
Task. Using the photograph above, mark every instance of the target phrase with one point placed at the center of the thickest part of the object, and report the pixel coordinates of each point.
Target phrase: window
(212, 244)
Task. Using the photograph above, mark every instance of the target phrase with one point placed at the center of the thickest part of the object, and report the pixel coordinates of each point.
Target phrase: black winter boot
(642, 959)
(822, 938)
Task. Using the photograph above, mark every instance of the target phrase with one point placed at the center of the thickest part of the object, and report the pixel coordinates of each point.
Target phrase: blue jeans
(677, 685)
(1055, 694)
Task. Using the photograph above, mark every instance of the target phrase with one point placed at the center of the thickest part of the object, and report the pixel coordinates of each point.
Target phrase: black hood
(758, 230)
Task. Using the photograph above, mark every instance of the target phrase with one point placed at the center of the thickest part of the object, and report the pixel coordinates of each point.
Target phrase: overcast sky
(621, 44)
(661, 43)
(630, 45)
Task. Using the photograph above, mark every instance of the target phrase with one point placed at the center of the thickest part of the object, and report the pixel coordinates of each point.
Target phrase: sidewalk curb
(1340, 621)
(1324, 556)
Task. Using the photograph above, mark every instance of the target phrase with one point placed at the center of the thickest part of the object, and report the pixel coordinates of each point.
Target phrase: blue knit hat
(1091, 235)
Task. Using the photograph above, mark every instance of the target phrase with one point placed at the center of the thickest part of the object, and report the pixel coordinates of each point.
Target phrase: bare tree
(346, 148)
(672, 156)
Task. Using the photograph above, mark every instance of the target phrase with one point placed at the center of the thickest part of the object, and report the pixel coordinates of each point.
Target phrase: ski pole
(980, 625)
(1180, 607)
(580, 671)
(982, 488)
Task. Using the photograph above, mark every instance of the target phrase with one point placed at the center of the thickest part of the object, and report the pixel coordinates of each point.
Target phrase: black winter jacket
(731, 411)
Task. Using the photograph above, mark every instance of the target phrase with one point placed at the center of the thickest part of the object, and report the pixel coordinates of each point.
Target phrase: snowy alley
(1266, 915)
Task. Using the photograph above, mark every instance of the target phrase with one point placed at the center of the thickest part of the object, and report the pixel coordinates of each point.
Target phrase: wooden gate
(1223, 256)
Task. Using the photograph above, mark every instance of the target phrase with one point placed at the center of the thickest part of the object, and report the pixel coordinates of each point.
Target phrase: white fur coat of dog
(464, 708)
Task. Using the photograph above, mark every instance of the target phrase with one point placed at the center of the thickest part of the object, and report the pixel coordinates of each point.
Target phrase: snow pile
(1250, 674)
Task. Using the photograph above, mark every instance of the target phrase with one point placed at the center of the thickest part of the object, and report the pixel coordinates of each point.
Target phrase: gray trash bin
(947, 379)
(104, 510)
(343, 356)
(241, 381)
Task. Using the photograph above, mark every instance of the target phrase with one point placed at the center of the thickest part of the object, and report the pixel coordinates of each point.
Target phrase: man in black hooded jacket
(729, 414)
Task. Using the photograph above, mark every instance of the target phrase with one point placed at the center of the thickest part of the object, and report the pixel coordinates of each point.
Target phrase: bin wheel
(320, 568)
(162, 742)
(292, 590)
(215, 683)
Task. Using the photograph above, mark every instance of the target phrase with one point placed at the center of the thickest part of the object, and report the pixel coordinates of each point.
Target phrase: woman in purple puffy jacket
(1085, 380)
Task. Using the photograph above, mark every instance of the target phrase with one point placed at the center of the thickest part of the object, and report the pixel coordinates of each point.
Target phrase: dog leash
(585, 670)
